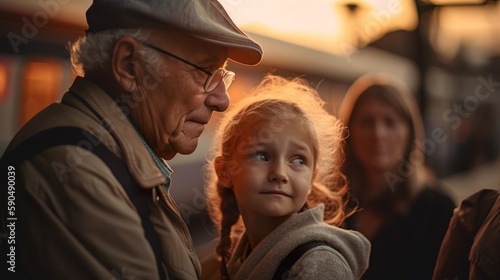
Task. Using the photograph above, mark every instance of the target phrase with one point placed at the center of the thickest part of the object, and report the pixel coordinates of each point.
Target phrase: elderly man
(91, 190)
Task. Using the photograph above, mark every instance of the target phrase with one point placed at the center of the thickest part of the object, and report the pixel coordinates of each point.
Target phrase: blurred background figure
(475, 142)
(471, 246)
(404, 211)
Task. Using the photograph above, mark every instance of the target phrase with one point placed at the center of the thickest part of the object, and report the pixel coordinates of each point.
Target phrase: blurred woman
(405, 212)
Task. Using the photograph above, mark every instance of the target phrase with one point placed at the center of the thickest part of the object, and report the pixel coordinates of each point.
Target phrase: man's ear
(221, 171)
(123, 61)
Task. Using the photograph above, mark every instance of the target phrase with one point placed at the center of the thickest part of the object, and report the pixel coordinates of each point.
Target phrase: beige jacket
(76, 219)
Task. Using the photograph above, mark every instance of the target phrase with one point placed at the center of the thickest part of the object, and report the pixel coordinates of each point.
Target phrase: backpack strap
(66, 135)
(287, 263)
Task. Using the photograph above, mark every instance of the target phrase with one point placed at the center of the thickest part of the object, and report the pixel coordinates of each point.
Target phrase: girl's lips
(278, 192)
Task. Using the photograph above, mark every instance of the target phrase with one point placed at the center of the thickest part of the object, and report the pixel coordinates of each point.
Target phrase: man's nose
(218, 100)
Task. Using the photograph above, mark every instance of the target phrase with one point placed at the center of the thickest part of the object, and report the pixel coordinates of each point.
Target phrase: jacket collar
(135, 153)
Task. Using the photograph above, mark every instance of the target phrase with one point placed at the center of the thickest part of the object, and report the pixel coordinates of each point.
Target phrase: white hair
(92, 52)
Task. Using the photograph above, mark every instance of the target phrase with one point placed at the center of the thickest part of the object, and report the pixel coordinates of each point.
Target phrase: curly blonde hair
(277, 100)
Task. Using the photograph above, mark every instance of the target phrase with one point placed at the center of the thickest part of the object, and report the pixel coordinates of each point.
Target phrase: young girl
(275, 163)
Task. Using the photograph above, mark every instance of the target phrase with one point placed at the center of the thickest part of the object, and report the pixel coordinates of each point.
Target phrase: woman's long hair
(403, 182)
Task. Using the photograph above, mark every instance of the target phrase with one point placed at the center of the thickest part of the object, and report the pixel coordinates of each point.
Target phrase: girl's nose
(278, 173)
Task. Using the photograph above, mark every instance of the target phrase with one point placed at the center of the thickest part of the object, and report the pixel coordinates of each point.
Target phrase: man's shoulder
(55, 115)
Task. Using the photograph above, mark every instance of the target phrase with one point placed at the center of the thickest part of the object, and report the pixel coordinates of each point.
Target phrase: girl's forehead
(270, 132)
(263, 119)
(276, 122)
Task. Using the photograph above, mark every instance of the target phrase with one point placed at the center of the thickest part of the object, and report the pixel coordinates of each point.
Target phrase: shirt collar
(162, 164)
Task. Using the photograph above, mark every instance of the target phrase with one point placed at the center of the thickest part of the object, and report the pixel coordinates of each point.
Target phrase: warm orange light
(332, 26)
(3, 81)
(471, 30)
(41, 86)
(455, 2)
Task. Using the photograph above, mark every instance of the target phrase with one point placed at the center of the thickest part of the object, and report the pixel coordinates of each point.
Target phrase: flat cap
(204, 19)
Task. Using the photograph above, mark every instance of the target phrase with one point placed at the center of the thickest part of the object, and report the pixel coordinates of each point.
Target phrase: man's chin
(186, 147)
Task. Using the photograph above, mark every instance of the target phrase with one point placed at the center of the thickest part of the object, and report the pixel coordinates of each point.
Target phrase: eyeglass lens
(218, 76)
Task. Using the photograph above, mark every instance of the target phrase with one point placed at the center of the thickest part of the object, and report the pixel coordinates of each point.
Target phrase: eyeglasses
(213, 79)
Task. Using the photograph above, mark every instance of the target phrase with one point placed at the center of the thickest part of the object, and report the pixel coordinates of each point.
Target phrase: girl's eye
(260, 156)
(299, 161)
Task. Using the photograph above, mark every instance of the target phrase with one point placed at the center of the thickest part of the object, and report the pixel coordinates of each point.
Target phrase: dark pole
(421, 56)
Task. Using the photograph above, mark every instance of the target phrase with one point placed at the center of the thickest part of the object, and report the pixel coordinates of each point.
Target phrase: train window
(41, 86)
